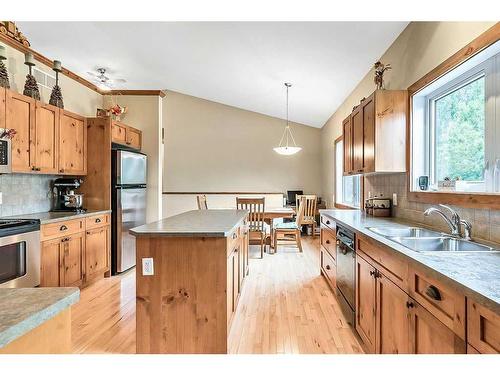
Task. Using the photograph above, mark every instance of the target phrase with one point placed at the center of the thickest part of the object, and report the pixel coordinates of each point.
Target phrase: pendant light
(284, 147)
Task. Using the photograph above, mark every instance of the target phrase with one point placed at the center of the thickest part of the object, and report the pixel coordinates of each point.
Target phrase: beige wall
(77, 98)
(214, 147)
(145, 113)
(420, 48)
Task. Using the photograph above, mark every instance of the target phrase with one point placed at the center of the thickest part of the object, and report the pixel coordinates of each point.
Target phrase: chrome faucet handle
(455, 218)
(467, 229)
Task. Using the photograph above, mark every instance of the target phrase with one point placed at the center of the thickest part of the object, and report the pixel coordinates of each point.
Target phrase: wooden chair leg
(297, 239)
(275, 241)
(262, 247)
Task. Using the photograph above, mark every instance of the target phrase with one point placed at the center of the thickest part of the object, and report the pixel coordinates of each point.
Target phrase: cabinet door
(347, 135)
(73, 259)
(21, 117)
(236, 277)
(357, 135)
(72, 144)
(365, 302)
(45, 138)
(230, 287)
(429, 336)
(369, 134)
(118, 133)
(245, 251)
(392, 336)
(50, 275)
(133, 138)
(96, 252)
(2, 108)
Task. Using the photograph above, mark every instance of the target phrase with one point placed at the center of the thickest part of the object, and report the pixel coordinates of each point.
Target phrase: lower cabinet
(483, 329)
(237, 270)
(389, 321)
(74, 259)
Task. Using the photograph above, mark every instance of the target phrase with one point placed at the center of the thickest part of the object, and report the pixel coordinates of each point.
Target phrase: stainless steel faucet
(455, 223)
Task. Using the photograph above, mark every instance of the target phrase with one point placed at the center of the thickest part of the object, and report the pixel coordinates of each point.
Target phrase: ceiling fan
(103, 81)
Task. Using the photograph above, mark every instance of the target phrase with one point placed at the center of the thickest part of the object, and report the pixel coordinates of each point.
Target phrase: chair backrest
(202, 202)
(309, 205)
(301, 205)
(256, 215)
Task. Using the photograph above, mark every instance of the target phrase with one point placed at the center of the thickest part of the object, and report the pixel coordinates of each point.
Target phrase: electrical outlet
(394, 199)
(148, 267)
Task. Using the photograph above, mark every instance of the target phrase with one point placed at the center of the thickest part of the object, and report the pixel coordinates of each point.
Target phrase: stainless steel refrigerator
(128, 202)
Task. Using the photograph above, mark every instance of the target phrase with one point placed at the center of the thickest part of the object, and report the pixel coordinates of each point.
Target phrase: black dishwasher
(346, 273)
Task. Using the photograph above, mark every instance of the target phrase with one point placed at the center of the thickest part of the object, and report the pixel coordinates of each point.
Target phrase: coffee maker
(65, 198)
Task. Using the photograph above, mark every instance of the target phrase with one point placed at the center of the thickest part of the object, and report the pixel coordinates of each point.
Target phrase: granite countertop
(24, 309)
(197, 223)
(52, 217)
(476, 274)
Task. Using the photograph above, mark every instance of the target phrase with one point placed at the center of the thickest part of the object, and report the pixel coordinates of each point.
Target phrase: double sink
(425, 240)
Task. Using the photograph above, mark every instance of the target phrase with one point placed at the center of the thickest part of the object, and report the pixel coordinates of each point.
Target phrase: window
(347, 188)
(455, 141)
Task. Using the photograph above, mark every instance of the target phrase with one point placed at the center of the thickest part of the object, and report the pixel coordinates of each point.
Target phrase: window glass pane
(460, 133)
(346, 187)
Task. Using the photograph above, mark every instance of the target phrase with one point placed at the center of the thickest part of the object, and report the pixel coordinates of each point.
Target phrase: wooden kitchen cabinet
(50, 275)
(375, 134)
(483, 329)
(97, 248)
(20, 116)
(126, 135)
(366, 302)
(72, 144)
(45, 138)
(428, 335)
(2, 108)
(72, 260)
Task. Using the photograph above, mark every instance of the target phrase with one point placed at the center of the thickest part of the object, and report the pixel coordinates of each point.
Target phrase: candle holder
(31, 87)
(56, 97)
(4, 76)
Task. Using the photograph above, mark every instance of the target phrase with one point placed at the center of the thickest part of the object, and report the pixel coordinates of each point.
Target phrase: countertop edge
(20, 329)
(70, 216)
(468, 292)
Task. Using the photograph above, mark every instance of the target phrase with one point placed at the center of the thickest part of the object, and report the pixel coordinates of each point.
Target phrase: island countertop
(23, 309)
(476, 274)
(196, 223)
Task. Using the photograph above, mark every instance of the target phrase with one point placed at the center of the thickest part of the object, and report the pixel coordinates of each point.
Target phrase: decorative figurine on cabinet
(4, 76)
(30, 87)
(56, 97)
(380, 69)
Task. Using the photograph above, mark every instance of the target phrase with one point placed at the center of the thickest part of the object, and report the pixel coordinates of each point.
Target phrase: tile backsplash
(485, 223)
(25, 194)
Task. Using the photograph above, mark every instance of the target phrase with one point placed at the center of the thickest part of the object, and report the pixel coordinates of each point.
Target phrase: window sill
(345, 206)
(468, 200)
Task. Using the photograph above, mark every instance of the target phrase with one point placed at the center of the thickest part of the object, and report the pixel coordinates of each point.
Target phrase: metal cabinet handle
(61, 170)
(328, 221)
(328, 267)
(234, 235)
(410, 304)
(63, 227)
(372, 273)
(433, 293)
(97, 220)
(327, 242)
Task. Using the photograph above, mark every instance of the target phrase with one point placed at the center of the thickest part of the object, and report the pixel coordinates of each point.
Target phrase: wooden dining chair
(202, 202)
(291, 231)
(309, 210)
(256, 225)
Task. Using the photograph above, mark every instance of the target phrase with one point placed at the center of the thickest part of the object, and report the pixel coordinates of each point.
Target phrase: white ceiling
(242, 64)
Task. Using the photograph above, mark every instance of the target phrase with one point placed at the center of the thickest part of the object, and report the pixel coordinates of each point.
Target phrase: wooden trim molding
(217, 192)
(17, 44)
(469, 200)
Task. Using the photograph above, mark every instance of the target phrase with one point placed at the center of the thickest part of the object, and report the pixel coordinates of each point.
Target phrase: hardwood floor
(285, 307)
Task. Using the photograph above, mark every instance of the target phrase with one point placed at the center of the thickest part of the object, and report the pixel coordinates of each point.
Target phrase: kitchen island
(191, 270)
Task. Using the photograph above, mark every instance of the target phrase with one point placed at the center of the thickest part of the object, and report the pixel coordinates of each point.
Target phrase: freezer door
(130, 213)
(131, 168)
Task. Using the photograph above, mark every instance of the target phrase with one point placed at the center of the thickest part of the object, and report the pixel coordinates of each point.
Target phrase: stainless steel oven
(19, 253)
(346, 273)
(5, 155)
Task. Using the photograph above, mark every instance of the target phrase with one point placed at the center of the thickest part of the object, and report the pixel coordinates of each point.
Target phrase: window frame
(343, 205)
(463, 199)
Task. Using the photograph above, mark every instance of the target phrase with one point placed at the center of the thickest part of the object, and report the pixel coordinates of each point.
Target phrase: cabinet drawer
(329, 268)
(442, 301)
(133, 138)
(326, 221)
(61, 228)
(483, 328)
(96, 221)
(232, 239)
(328, 241)
(394, 267)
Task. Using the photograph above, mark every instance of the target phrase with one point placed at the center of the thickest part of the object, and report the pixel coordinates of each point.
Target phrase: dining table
(271, 214)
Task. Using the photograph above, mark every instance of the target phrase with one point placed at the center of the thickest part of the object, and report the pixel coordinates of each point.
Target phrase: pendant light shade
(285, 147)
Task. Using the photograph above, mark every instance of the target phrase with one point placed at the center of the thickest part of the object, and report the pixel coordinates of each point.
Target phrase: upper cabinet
(48, 140)
(375, 134)
(72, 144)
(126, 135)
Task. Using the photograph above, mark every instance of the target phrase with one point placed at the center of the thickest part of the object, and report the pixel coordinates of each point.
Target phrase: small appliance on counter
(66, 199)
(378, 206)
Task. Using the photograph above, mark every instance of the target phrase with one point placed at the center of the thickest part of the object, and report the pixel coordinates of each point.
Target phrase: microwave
(5, 156)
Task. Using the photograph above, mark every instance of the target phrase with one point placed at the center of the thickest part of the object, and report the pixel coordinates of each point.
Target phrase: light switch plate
(148, 267)
(394, 199)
